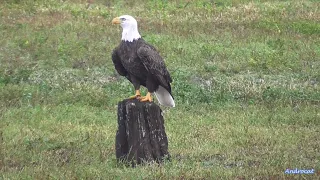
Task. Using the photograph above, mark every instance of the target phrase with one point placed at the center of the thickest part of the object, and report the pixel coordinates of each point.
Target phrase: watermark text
(299, 171)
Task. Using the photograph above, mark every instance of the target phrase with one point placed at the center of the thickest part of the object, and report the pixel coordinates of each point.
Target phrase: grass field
(246, 84)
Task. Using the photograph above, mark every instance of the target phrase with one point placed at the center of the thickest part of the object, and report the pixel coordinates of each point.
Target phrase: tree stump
(141, 135)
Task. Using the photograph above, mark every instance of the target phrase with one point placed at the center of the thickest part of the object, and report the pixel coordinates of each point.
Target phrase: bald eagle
(141, 63)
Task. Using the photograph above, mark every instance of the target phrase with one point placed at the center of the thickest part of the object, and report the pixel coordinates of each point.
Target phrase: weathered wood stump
(141, 135)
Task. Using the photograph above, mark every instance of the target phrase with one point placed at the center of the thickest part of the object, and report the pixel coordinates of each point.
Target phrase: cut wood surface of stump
(141, 135)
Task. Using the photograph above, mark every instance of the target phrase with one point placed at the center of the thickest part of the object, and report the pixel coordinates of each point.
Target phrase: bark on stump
(141, 135)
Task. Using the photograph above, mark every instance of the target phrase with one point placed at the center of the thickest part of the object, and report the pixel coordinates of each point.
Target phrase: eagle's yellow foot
(136, 96)
(146, 98)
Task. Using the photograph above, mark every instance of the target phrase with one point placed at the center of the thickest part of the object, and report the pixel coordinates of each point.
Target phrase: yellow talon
(136, 96)
(146, 98)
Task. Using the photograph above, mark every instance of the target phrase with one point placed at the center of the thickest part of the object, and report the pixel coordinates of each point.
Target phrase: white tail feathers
(164, 97)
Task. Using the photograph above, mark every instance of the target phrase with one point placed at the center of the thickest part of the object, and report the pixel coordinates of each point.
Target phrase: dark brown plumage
(142, 65)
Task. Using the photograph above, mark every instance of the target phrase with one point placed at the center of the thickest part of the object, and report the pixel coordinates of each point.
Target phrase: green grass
(246, 84)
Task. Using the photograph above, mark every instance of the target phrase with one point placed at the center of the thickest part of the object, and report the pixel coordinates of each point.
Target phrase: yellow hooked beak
(116, 20)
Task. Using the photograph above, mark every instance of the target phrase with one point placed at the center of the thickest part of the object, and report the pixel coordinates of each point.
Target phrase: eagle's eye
(122, 19)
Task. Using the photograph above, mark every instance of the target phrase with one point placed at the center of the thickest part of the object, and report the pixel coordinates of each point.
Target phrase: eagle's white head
(129, 27)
